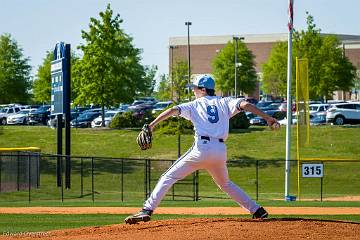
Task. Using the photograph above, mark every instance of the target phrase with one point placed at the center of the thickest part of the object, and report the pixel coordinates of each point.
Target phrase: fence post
(81, 177)
(61, 179)
(0, 169)
(257, 180)
(38, 156)
(194, 185)
(145, 179)
(29, 177)
(321, 186)
(122, 180)
(173, 186)
(197, 186)
(149, 176)
(18, 171)
(92, 179)
(321, 189)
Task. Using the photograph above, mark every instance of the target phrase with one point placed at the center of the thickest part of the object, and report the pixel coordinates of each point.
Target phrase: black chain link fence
(34, 177)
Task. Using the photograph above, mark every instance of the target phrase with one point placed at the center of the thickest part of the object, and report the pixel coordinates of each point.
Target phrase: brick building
(204, 48)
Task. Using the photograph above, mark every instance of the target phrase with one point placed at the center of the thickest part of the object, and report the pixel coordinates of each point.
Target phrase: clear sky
(38, 24)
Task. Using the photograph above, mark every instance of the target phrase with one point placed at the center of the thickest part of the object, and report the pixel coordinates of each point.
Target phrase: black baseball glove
(144, 139)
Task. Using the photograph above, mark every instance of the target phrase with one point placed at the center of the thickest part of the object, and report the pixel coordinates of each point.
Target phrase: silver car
(20, 117)
(342, 113)
(97, 122)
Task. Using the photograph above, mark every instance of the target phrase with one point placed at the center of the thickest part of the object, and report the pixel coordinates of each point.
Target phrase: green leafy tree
(224, 73)
(42, 83)
(329, 69)
(274, 70)
(149, 80)
(109, 71)
(14, 72)
(164, 89)
(180, 80)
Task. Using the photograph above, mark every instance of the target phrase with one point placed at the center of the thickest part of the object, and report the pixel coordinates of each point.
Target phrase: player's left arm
(252, 108)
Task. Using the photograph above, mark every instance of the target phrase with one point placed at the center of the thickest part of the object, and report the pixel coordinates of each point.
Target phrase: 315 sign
(313, 170)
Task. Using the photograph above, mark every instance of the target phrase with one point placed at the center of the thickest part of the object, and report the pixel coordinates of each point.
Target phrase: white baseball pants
(204, 154)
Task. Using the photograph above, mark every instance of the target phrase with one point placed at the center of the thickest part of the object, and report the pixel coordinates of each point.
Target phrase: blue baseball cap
(204, 81)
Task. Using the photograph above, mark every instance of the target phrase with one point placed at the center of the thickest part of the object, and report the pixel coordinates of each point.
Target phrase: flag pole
(289, 103)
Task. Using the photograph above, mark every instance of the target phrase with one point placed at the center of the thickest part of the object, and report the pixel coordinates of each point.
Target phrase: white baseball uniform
(210, 116)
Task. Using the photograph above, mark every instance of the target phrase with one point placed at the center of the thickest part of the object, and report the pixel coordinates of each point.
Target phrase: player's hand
(273, 123)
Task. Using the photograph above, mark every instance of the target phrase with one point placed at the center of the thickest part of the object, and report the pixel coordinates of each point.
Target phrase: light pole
(196, 174)
(188, 24)
(172, 71)
(236, 60)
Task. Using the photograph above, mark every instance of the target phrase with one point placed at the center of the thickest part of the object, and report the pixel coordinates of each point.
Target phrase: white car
(284, 121)
(97, 122)
(316, 109)
(6, 112)
(20, 117)
(161, 106)
(342, 113)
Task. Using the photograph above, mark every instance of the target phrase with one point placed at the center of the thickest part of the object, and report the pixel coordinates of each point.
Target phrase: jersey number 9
(213, 114)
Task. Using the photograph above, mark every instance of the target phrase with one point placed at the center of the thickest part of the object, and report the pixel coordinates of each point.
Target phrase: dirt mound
(205, 228)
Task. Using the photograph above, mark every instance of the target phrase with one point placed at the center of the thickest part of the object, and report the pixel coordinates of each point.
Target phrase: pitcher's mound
(213, 228)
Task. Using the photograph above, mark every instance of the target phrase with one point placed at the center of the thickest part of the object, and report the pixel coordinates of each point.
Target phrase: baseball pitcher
(210, 116)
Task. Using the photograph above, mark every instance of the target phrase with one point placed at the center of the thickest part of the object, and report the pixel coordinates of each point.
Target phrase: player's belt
(208, 138)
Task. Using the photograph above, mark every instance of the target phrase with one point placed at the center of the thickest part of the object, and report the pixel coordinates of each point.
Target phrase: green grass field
(246, 146)
(252, 143)
(256, 143)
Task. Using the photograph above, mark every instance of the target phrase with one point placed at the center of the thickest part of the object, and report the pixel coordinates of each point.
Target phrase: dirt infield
(200, 228)
(203, 228)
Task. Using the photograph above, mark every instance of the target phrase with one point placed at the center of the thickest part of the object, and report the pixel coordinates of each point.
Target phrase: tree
(224, 72)
(164, 89)
(42, 83)
(329, 69)
(149, 80)
(274, 70)
(14, 72)
(109, 71)
(180, 80)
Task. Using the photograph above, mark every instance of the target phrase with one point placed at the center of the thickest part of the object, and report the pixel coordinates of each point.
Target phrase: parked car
(272, 106)
(293, 120)
(52, 122)
(20, 117)
(41, 115)
(263, 104)
(149, 100)
(140, 106)
(6, 112)
(256, 120)
(161, 106)
(109, 115)
(31, 106)
(84, 120)
(318, 120)
(342, 113)
(123, 107)
(251, 100)
(316, 109)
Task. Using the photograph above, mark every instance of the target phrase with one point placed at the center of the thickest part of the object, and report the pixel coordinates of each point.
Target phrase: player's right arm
(252, 108)
(174, 111)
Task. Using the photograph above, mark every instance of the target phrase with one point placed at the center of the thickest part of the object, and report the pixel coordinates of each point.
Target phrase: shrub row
(173, 125)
